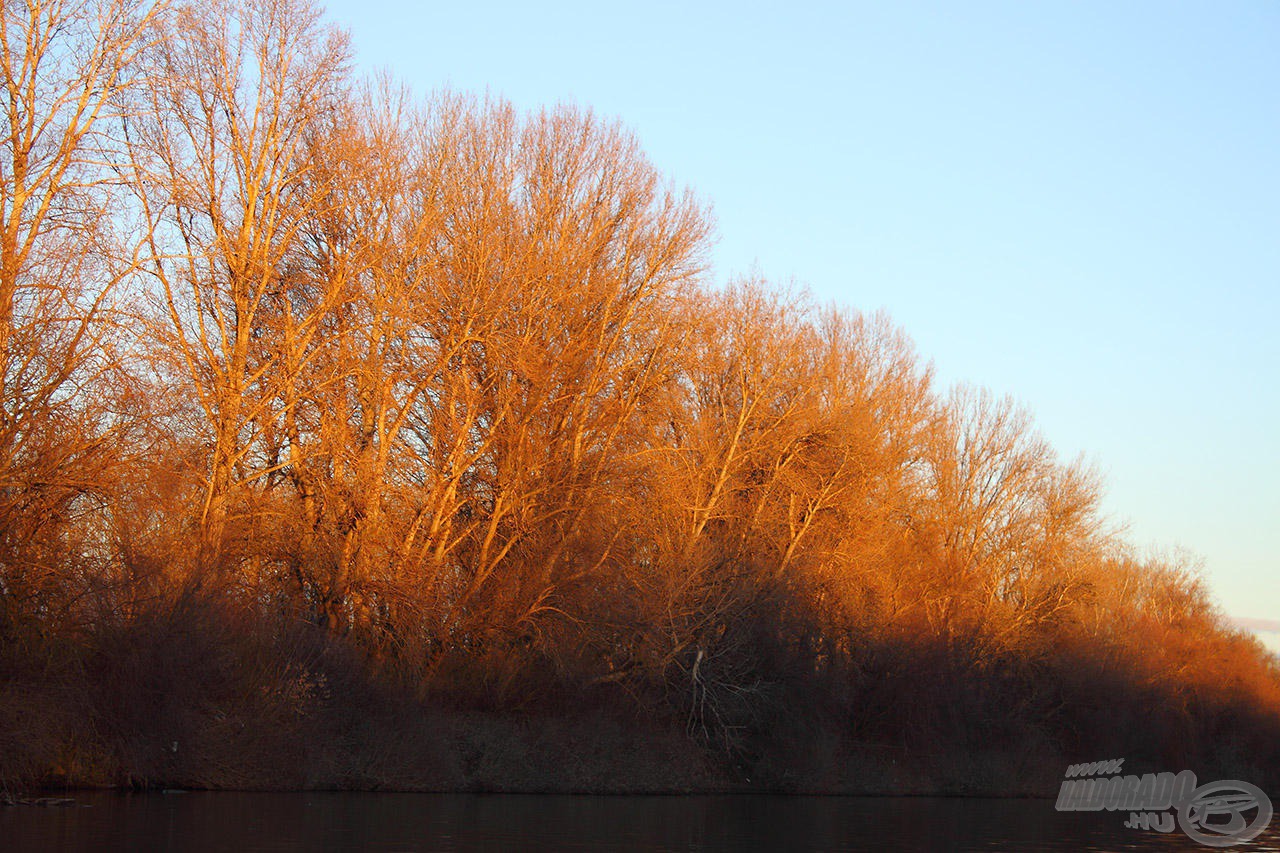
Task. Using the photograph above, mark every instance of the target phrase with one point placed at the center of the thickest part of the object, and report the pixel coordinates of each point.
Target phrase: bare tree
(224, 177)
(62, 254)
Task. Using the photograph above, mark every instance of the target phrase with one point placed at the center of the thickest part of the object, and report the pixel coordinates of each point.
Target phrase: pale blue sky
(1075, 203)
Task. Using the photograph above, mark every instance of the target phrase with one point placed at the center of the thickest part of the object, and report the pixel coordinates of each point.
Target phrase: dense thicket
(331, 417)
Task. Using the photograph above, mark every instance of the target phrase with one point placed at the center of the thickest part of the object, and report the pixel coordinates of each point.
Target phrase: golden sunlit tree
(63, 70)
(341, 428)
(221, 161)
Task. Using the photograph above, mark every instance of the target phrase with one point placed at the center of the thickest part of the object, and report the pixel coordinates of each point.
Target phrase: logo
(1218, 814)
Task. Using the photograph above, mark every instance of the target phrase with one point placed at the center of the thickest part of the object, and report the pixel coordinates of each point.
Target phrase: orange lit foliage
(445, 388)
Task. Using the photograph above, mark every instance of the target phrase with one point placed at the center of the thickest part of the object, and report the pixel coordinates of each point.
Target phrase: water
(244, 822)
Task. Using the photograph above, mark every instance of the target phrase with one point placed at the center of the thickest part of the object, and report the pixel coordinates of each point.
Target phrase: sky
(1077, 204)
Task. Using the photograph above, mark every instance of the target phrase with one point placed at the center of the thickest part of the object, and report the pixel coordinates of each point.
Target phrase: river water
(244, 822)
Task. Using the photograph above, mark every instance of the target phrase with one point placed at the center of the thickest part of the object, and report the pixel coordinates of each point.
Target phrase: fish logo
(1215, 814)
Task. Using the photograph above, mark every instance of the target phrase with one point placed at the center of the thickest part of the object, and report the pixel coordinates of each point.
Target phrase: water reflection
(245, 822)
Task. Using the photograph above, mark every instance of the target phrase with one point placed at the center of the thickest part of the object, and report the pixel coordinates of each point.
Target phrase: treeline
(326, 410)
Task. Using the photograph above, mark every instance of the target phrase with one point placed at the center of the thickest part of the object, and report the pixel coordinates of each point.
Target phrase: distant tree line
(310, 387)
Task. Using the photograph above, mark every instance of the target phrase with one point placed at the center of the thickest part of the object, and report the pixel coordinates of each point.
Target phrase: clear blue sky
(1075, 203)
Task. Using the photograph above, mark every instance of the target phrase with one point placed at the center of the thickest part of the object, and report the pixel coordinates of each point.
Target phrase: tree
(63, 253)
(222, 169)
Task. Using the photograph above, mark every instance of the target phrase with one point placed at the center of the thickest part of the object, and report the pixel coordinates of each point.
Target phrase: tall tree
(223, 171)
(63, 69)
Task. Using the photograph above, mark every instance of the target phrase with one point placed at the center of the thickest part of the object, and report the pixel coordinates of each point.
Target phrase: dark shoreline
(593, 754)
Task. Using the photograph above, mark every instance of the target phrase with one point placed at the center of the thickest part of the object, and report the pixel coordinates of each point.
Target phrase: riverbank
(195, 705)
(587, 753)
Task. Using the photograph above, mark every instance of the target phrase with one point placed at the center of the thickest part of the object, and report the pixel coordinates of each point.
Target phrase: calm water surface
(358, 821)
